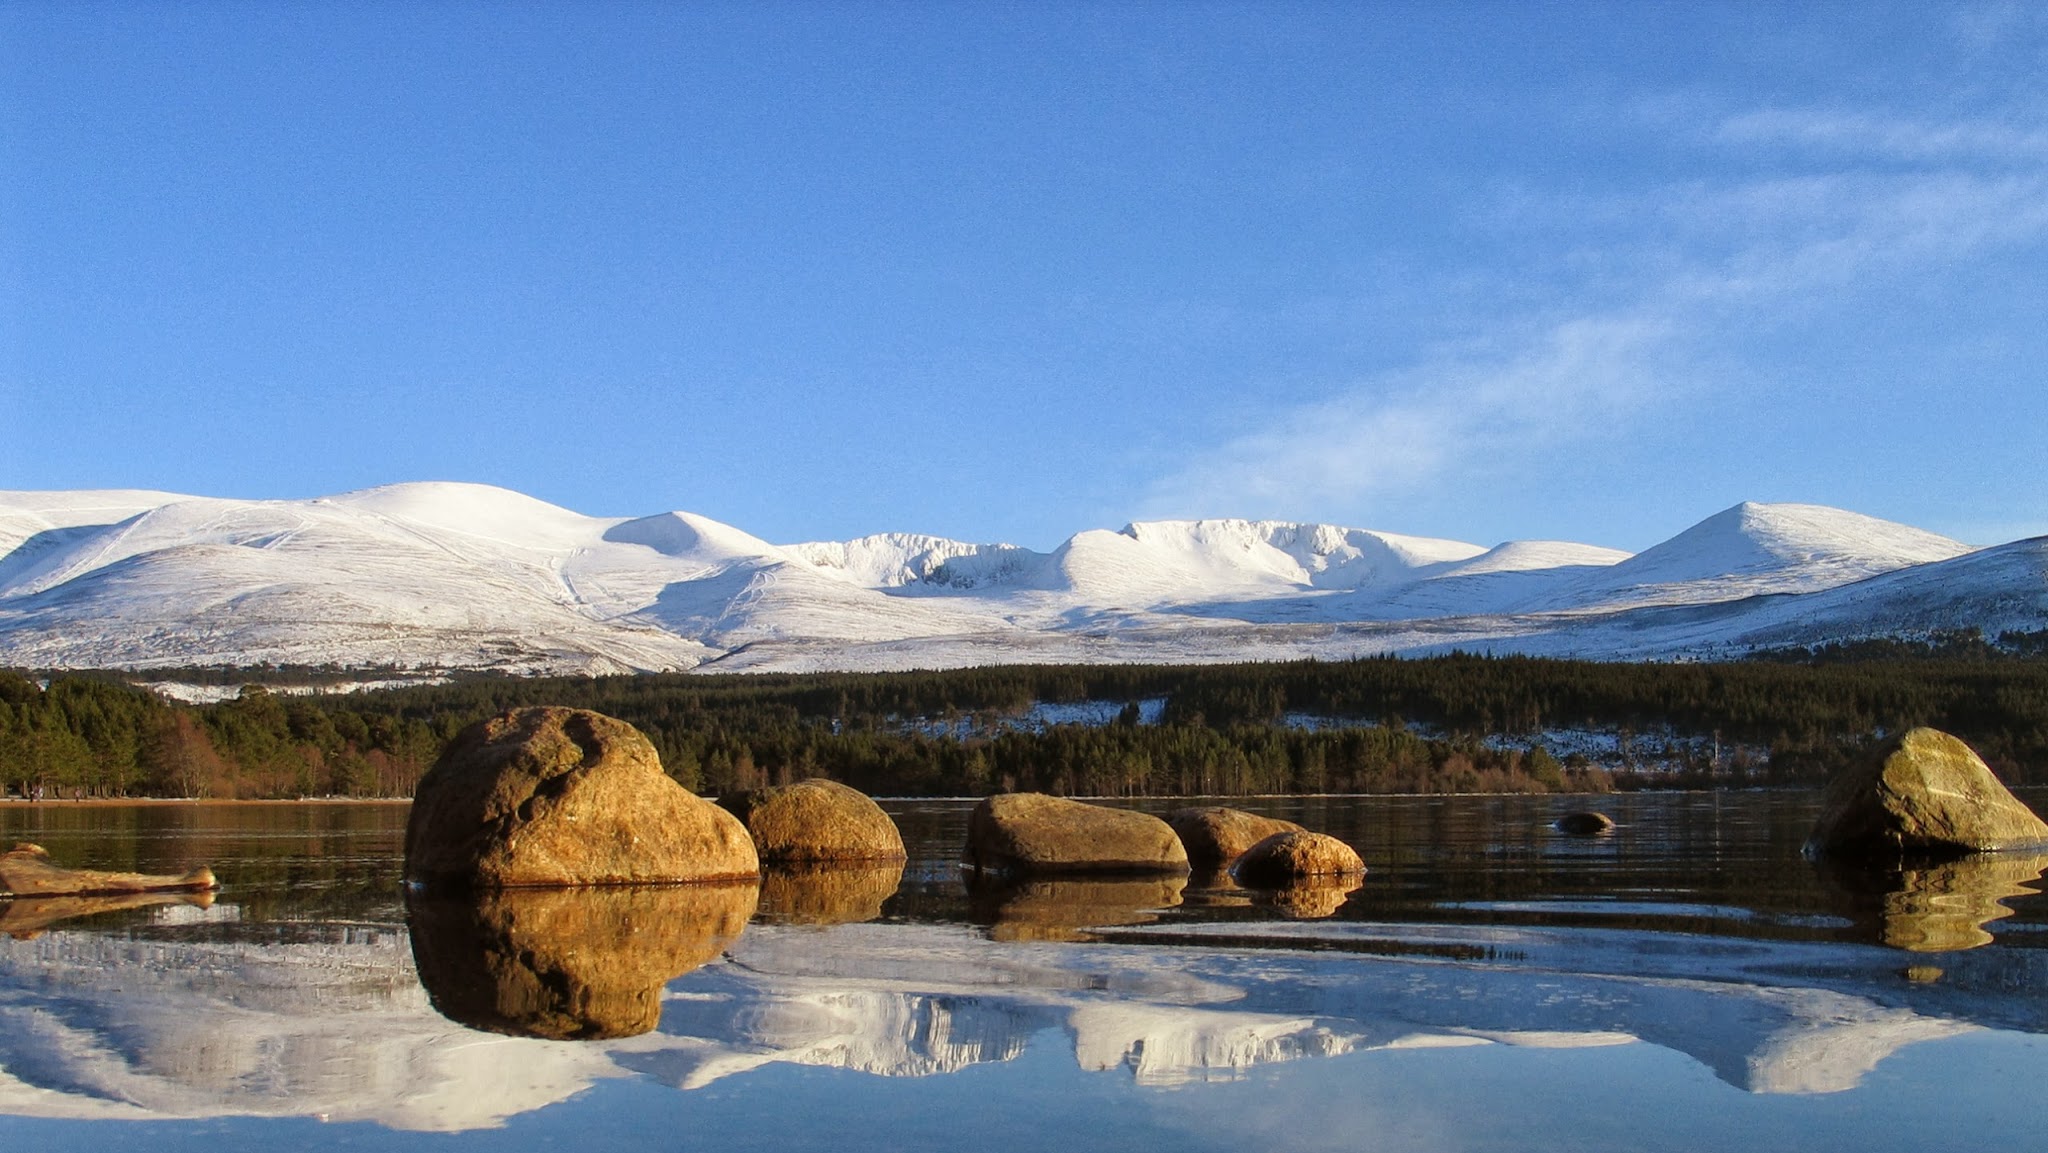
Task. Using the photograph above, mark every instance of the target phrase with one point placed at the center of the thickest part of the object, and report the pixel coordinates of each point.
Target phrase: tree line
(1455, 723)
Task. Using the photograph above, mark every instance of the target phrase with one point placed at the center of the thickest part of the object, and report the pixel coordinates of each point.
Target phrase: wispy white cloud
(1876, 136)
(1855, 196)
(1413, 427)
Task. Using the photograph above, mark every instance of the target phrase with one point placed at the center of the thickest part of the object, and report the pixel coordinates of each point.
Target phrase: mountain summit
(436, 576)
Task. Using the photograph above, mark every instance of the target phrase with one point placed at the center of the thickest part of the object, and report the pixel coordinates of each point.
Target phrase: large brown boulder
(569, 964)
(1214, 836)
(553, 796)
(1029, 833)
(1924, 791)
(816, 820)
(1285, 859)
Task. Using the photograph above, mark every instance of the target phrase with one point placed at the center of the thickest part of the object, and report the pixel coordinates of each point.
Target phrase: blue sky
(1581, 271)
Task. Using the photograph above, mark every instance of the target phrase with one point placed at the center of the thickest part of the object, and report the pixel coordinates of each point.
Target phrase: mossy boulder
(1214, 835)
(1285, 859)
(1032, 833)
(1922, 792)
(559, 797)
(816, 820)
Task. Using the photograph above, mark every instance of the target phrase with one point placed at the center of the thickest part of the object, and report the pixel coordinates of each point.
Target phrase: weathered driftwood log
(26, 871)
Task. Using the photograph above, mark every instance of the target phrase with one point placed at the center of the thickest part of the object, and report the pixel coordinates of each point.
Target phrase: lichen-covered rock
(1586, 824)
(816, 820)
(569, 964)
(1214, 836)
(1028, 833)
(1285, 859)
(554, 796)
(1924, 791)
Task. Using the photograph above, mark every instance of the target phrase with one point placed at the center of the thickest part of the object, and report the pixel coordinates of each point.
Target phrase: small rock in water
(1289, 858)
(1215, 836)
(1584, 824)
(1033, 833)
(816, 820)
(1926, 792)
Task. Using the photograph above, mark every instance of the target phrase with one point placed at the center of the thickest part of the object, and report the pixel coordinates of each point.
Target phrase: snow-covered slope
(434, 576)
(1762, 548)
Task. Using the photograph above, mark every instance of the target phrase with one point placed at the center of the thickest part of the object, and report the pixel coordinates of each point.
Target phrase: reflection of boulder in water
(1214, 889)
(1057, 910)
(827, 894)
(1934, 906)
(570, 964)
(1314, 899)
(24, 917)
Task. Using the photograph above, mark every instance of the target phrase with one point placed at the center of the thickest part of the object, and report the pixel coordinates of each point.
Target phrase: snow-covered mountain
(443, 576)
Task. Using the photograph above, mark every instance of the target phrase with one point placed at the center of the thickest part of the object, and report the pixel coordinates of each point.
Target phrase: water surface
(1685, 983)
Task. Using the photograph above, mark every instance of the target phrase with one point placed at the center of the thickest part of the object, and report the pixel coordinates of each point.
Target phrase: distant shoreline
(115, 802)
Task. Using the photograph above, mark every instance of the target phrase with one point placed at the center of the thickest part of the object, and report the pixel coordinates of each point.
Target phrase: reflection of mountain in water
(335, 1024)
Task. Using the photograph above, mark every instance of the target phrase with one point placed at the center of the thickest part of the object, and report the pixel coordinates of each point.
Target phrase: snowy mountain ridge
(436, 576)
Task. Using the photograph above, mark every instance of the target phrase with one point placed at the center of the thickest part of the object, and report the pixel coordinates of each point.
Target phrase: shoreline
(117, 802)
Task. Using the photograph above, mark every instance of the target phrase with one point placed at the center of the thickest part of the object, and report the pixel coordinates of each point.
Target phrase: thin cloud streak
(1743, 250)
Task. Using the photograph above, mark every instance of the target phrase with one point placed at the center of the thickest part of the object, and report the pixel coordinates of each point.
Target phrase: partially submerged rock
(1032, 833)
(1214, 835)
(569, 964)
(816, 820)
(1585, 824)
(27, 871)
(1924, 791)
(554, 796)
(1286, 859)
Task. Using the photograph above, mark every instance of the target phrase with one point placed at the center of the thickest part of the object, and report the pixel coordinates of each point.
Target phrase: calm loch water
(1688, 982)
